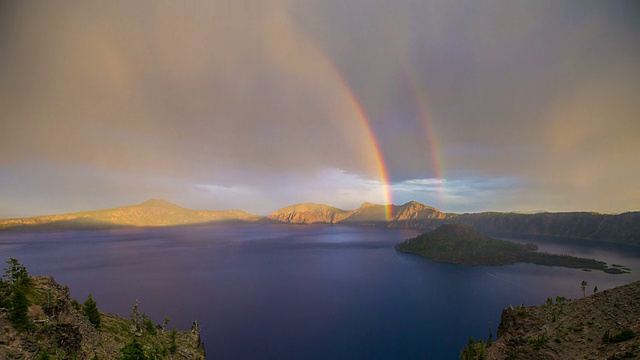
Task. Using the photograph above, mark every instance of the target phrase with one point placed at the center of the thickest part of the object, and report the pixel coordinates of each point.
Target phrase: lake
(310, 292)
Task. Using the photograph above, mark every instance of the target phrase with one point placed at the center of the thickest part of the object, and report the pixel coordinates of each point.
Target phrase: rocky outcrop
(602, 326)
(64, 332)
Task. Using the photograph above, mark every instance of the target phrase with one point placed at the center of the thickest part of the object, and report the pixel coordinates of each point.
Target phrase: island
(460, 244)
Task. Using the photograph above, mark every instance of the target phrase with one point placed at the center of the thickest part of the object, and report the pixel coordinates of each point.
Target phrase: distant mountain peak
(158, 203)
(367, 204)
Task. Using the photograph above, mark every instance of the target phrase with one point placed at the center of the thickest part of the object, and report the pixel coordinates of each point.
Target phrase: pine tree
(91, 311)
(133, 351)
(16, 272)
(135, 317)
(583, 286)
(19, 309)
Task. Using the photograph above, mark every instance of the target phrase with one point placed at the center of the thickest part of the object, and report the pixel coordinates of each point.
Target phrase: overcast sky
(474, 105)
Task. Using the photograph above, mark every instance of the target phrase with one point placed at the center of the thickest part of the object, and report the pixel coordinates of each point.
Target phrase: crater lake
(311, 291)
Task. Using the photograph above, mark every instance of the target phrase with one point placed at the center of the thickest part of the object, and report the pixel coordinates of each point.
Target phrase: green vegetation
(42, 322)
(173, 347)
(539, 340)
(133, 351)
(148, 325)
(459, 244)
(13, 294)
(91, 311)
(474, 350)
(624, 335)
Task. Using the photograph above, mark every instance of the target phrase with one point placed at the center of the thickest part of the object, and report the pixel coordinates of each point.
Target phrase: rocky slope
(62, 331)
(605, 325)
(150, 213)
(309, 213)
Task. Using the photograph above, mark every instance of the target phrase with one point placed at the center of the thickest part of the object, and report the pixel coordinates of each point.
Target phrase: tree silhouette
(583, 286)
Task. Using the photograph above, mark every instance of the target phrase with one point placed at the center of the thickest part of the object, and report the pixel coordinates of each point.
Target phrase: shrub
(623, 335)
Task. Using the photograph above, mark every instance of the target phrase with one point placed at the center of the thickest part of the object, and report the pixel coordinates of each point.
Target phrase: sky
(467, 106)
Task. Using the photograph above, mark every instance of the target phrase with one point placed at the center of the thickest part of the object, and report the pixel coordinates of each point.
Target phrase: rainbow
(377, 153)
(432, 141)
(353, 102)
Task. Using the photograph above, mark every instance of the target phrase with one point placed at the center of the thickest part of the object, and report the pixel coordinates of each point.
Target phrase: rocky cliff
(56, 329)
(602, 326)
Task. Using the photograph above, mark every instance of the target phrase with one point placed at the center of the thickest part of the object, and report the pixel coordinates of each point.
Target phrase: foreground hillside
(150, 213)
(40, 321)
(602, 326)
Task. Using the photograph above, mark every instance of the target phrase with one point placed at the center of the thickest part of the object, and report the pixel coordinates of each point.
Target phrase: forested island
(460, 244)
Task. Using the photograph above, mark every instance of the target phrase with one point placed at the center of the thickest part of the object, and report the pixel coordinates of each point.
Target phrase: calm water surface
(311, 292)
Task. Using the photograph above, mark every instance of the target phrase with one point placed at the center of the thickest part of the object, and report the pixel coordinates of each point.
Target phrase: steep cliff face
(602, 326)
(62, 331)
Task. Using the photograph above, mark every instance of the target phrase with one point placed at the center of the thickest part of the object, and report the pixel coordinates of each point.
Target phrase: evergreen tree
(135, 317)
(133, 351)
(148, 324)
(91, 311)
(19, 309)
(16, 272)
(165, 323)
(173, 347)
(583, 286)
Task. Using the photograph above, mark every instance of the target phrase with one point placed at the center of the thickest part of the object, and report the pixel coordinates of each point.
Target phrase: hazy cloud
(257, 105)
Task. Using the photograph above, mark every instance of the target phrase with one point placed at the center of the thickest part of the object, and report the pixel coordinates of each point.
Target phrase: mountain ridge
(153, 212)
(621, 228)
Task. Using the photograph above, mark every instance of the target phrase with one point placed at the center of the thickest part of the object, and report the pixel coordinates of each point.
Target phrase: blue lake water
(311, 292)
